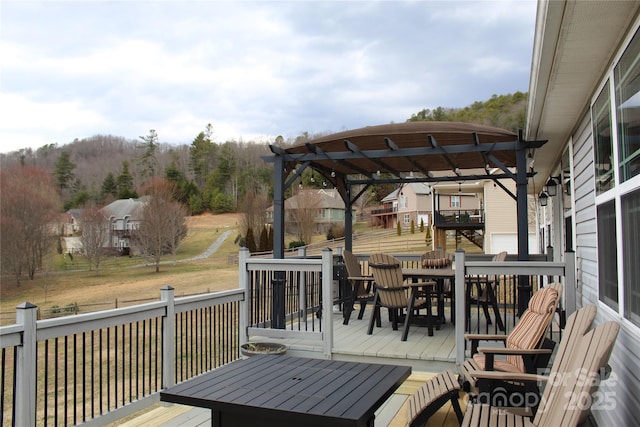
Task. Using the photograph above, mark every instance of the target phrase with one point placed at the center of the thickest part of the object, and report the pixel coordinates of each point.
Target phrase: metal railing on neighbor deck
(98, 367)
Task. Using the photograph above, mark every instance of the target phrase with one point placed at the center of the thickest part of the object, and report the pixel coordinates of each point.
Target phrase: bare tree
(304, 210)
(176, 227)
(253, 210)
(95, 232)
(163, 226)
(29, 205)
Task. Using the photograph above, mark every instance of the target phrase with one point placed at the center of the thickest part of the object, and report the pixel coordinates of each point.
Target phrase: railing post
(25, 383)
(327, 301)
(168, 338)
(460, 301)
(570, 283)
(243, 276)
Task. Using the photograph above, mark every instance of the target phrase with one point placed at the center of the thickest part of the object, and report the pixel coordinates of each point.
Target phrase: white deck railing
(209, 326)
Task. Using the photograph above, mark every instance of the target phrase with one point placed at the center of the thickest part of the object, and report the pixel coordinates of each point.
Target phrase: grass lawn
(122, 281)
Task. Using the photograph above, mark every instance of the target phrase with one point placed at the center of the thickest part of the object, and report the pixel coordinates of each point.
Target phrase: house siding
(500, 214)
(618, 396)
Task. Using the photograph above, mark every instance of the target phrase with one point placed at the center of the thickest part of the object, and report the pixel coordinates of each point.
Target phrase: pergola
(425, 151)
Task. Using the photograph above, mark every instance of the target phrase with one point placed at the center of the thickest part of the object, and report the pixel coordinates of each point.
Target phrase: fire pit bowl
(253, 348)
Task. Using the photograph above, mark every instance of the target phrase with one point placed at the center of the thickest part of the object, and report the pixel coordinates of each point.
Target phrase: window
(630, 233)
(601, 119)
(607, 254)
(407, 218)
(617, 175)
(627, 76)
(455, 201)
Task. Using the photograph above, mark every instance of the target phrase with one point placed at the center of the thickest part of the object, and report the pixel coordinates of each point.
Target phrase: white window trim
(619, 190)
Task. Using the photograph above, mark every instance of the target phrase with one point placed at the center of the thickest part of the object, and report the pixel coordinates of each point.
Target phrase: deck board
(393, 413)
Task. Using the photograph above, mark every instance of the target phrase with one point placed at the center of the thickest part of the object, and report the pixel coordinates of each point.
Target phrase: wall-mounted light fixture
(543, 198)
(551, 187)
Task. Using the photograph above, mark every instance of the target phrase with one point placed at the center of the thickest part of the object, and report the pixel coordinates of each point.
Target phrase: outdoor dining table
(279, 390)
(436, 274)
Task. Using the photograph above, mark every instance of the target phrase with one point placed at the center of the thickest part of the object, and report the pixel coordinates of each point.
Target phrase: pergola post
(522, 209)
(278, 206)
(348, 221)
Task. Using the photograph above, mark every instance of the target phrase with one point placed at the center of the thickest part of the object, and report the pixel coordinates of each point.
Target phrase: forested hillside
(210, 175)
(504, 111)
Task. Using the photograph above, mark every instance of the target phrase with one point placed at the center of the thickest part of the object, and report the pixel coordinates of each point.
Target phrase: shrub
(296, 244)
(335, 232)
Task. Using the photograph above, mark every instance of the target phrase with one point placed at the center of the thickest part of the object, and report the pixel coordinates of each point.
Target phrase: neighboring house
(584, 98)
(411, 201)
(124, 218)
(328, 204)
(476, 210)
(75, 220)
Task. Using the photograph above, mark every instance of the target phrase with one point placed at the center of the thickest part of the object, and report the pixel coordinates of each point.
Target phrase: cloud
(254, 69)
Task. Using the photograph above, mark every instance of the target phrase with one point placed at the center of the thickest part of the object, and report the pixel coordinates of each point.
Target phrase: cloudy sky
(253, 69)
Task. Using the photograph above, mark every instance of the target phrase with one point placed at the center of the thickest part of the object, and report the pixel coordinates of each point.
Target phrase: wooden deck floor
(392, 414)
(426, 355)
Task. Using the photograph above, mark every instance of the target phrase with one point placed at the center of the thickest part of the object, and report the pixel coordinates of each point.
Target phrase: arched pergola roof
(421, 147)
(425, 151)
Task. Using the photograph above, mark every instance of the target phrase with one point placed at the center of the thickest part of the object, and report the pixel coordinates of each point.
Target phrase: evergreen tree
(264, 240)
(202, 154)
(64, 171)
(148, 160)
(124, 183)
(109, 187)
(250, 241)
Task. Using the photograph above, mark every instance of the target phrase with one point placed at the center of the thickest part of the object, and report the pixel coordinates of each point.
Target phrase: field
(134, 283)
(70, 287)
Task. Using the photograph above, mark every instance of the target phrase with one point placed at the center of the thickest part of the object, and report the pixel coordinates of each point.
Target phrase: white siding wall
(619, 397)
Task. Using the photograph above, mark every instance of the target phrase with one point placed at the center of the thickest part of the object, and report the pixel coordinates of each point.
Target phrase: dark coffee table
(283, 390)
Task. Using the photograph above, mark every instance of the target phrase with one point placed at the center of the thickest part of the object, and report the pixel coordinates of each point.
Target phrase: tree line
(203, 176)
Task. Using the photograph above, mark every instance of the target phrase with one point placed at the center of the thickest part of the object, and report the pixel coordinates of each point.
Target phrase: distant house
(76, 219)
(327, 203)
(124, 218)
(477, 211)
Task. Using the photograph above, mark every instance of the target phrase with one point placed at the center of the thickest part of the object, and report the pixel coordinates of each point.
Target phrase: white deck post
(168, 338)
(302, 289)
(327, 301)
(570, 283)
(460, 306)
(243, 275)
(26, 369)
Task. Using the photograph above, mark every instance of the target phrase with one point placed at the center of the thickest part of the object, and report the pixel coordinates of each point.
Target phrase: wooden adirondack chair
(392, 293)
(485, 295)
(564, 402)
(444, 387)
(361, 285)
(491, 384)
(440, 259)
(523, 345)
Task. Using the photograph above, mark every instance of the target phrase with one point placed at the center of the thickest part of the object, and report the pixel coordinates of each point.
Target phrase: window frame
(619, 190)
